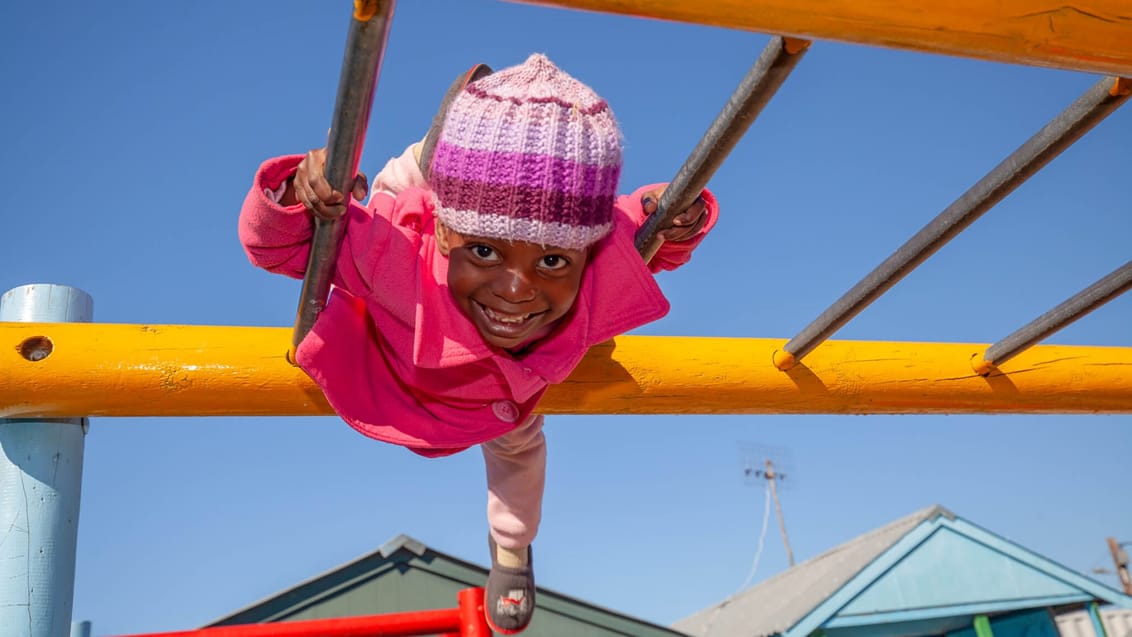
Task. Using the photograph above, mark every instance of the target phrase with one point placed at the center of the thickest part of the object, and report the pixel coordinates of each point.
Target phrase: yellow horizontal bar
(1090, 35)
(179, 370)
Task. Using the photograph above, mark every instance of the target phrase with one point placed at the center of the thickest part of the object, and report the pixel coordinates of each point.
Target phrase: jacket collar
(618, 293)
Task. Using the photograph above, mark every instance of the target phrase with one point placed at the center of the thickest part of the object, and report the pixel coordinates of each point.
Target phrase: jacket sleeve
(672, 254)
(275, 238)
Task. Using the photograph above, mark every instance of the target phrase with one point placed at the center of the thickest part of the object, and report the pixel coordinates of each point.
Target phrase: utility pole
(1120, 559)
(773, 477)
(759, 463)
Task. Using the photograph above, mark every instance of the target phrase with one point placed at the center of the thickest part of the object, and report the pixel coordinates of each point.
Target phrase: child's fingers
(317, 196)
(691, 214)
(673, 234)
(302, 189)
(314, 192)
(650, 200)
(699, 224)
(329, 208)
(361, 187)
(323, 191)
(685, 226)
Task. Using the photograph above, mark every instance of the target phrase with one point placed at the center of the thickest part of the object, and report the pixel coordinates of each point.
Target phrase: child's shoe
(509, 601)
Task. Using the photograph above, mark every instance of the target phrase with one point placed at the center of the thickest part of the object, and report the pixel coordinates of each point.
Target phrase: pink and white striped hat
(528, 154)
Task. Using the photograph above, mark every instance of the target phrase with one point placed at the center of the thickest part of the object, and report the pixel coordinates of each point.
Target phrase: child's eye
(484, 252)
(554, 262)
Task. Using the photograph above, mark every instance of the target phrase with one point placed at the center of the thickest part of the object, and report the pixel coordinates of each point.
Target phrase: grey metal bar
(365, 47)
(1111, 286)
(1087, 111)
(762, 81)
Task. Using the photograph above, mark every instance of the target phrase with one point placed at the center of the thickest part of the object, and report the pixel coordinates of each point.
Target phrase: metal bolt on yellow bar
(783, 360)
(364, 10)
(980, 365)
(794, 46)
(69, 370)
(1122, 86)
(1089, 35)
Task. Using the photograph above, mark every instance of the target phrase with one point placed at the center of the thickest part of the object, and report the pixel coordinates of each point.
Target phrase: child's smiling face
(511, 290)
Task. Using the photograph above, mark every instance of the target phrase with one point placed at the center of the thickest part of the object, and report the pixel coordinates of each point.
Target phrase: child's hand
(685, 225)
(310, 188)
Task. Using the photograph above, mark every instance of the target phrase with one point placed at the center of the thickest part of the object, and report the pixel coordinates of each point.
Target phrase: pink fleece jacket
(392, 351)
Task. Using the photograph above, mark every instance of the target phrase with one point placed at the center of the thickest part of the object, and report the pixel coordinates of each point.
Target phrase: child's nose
(516, 286)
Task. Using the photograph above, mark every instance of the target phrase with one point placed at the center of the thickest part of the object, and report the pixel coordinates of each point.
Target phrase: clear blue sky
(132, 130)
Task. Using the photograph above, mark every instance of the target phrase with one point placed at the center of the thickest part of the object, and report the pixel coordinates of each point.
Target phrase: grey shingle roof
(774, 605)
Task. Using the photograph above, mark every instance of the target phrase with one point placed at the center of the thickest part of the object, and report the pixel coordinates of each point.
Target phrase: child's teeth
(504, 318)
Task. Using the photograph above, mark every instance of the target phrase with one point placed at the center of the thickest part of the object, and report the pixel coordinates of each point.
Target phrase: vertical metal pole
(80, 629)
(1095, 618)
(41, 465)
(473, 622)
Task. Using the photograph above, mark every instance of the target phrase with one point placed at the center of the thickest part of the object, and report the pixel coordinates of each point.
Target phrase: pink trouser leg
(516, 473)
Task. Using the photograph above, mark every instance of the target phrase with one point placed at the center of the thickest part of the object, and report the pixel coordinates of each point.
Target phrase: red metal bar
(473, 623)
(465, 621)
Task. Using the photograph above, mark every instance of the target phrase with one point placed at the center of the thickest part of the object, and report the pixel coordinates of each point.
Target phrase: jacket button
(505, 410)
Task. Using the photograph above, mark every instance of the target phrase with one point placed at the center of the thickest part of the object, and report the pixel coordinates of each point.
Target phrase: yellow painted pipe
(50, 370)
(1091, 35)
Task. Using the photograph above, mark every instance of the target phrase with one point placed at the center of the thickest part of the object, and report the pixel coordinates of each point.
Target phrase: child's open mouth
(505, 318)
(504, 324)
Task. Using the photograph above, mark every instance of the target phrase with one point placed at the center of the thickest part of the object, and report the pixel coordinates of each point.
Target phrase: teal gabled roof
(926, 573)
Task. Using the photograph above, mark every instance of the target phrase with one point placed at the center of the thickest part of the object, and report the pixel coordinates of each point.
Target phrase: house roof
(403, 554)
(776, 604)
(931, 569)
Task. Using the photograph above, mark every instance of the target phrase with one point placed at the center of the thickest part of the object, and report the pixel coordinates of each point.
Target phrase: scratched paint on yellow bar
(1087, 35)
(179, 370)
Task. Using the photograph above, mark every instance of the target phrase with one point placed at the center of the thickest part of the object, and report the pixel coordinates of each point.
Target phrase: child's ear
(442, 238)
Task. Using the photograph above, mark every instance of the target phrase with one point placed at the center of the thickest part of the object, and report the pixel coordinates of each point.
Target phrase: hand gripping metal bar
(760, 84)
(365, 47)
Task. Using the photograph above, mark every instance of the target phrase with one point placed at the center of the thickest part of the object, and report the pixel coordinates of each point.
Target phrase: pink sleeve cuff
(275, 237)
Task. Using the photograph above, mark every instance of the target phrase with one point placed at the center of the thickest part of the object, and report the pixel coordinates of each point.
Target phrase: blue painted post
(1095, 618)
(41, 466)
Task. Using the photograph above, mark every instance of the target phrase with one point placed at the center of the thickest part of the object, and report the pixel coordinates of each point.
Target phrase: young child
(456, 303)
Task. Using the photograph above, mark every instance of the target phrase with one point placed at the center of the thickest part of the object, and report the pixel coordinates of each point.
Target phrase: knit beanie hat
(528, 154)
